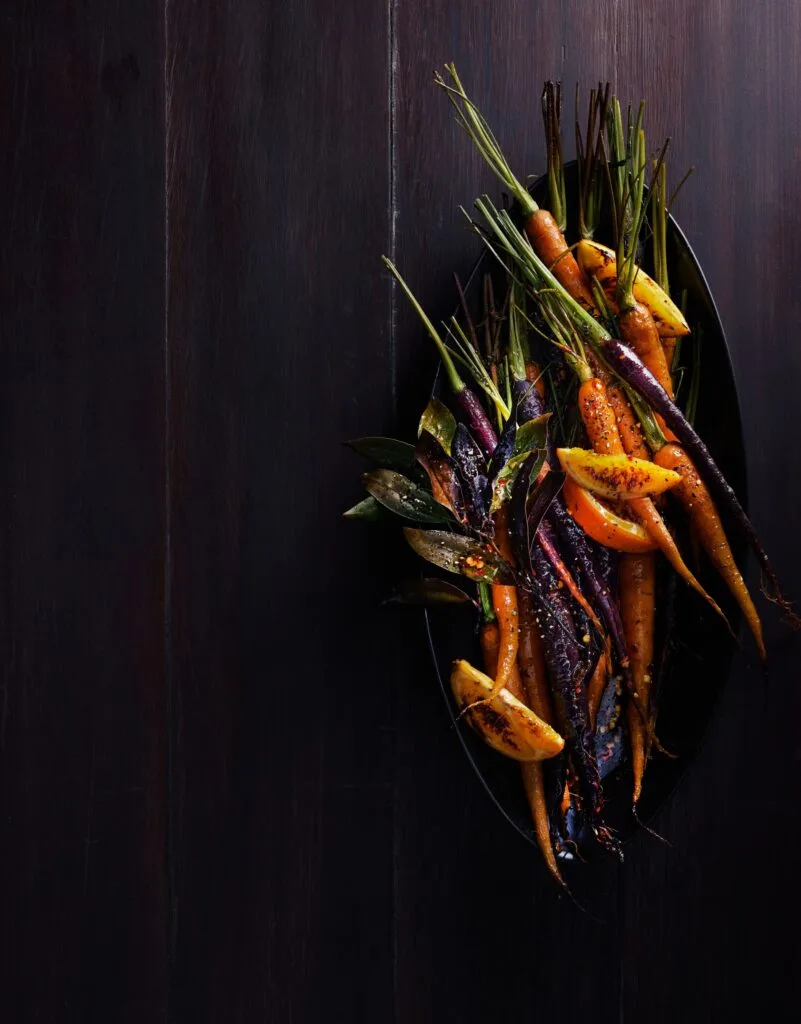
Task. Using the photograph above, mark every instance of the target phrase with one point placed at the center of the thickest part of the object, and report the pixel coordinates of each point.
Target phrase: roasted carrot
(692, 492)
(532, 661)
(533, 774)
(599, 421)
(540, 226)
(627, 423)
(598, 417)
(504, 603)
(636, 323)
(704, 516)
(659, 217)
(632, 370)
(599, 263)
(597, 684)
(550, 245)
(532, 669)
(637, 605)
(638, 331)
(547, 540)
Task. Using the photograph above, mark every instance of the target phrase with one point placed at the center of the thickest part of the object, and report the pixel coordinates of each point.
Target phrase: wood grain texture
(230, 792)
(83, 741)
(283, 727)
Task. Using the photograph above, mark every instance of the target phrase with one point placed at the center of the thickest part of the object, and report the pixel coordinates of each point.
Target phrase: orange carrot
(636, 589)
(705, 519)
(566, 577)
(597, 685)
(540, 226)
(532, 661)
(598, 417)
(627, 423)
(504, 603)
(601, 425)
(637, 605)
(549, 244)
(532, 771)
(639, 332)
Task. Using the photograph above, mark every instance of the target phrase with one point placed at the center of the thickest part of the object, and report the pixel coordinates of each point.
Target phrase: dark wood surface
(229, 788)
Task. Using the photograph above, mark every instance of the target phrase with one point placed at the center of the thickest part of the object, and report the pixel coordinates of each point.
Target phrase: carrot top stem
(470, 358)
(659, 227)
(552, 120)
(452, 373)
(463, 350)
(469, 117)
(504, 237)
(485, 597)
(691, 406)
(517, 316)
(652, 432)
(630, 207)
(588, 160)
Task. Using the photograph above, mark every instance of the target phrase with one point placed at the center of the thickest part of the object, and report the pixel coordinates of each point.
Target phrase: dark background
(229, 788)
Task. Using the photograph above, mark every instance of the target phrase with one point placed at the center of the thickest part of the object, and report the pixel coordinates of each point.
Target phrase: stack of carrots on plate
(556, 470)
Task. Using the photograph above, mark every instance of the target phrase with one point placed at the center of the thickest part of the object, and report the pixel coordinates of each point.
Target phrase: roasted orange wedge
(504, 722)
(618, 477)
(598, 261)
(602, 523)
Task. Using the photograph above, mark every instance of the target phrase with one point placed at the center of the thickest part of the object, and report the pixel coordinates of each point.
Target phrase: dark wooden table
(229, 789)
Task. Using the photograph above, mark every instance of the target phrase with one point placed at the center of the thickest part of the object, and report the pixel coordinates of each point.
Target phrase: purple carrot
(568, 668)
(632, 370)
(543, 499)
(524, 522)
(527, 514)
(576, 544)
(606, 560)
(519, 525)
(503, 450)
(609, 729)
(581, 554)
(530, 405)
(471, 467)
(599, 591)
(477, 420)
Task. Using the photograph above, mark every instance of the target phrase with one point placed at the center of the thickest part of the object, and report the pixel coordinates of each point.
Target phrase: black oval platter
(701, 649)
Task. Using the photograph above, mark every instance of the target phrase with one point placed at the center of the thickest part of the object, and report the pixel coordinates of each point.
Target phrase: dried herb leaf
(531, 436)
(441, 471)
(438, 420)
(460, 554)
(397, 493)
(386, 451)
(368, 511)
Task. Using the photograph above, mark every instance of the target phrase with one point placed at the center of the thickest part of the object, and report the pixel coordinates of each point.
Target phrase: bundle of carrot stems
(555, 469)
